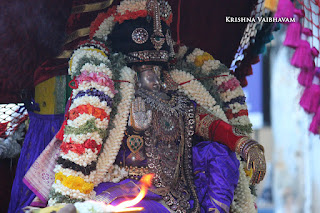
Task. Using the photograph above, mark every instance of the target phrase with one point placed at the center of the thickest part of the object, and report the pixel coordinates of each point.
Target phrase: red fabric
(203, 25)
(221, 132)
(3, 129)
(50, 68)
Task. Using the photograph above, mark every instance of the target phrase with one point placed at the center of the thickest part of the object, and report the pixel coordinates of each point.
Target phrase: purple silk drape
(41, 130)
(217, 174)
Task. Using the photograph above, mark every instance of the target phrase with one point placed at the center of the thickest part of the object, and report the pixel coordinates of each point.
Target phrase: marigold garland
(74, 182)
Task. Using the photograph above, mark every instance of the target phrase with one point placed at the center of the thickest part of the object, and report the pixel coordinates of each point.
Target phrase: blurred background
(282, 89)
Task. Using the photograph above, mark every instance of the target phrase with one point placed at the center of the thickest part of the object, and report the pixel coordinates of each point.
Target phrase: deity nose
(156, 85)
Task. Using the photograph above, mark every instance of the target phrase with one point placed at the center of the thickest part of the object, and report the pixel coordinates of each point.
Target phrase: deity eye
(140, 35)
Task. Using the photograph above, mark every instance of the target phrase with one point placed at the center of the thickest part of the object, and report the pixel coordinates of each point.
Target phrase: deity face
(149, 77)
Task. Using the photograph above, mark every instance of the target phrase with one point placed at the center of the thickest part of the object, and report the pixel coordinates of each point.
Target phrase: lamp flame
(146, 182)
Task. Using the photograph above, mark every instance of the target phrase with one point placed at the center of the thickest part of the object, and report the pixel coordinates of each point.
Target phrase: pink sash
(40, 176)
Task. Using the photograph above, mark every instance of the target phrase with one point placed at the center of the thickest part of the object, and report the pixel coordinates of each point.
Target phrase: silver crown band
(148, 55)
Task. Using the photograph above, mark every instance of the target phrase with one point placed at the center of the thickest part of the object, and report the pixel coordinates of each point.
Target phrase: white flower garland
(236, 107)
(219, 80)
(113, 142)
(87, 85)
(181, 52)
(68, 172)
(92, 100)
(228, 95)
(196, 91)
(101, 68)
(59, 187)
(192, 57)
(85, 52)
(132, 6)
(105, 28)
(115, 174)
(52, 202)
(81, 138)
(91, 207)
(84, 159)
(210, 65)
(243, 200)
(241, 120)
(83, 118)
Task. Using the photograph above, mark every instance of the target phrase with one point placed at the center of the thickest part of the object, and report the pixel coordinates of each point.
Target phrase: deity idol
(138, 107)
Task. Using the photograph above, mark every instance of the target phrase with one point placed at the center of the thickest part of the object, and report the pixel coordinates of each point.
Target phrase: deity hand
(256, 160)
(141, 119)
(253, 153)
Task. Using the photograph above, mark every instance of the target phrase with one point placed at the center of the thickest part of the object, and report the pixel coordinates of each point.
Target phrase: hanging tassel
(317, 72)
(303, 57)
(294, 30)
(305, 77)
(285, 9)
(314, 52)
(311, 98)
(271, 5)
(315, 124)
(293, 35)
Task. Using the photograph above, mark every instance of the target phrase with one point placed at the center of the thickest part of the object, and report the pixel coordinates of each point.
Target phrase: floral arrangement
(223, 86)
(207, 81)
(243, 200)
(127, 10)
(85, 138)
(196, 91)
(113, 142)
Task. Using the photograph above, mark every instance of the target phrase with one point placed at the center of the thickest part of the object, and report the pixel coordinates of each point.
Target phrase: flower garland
(223, 86)
(74, 182)
(96, 56)
(243, 200)
(87, 121)
(131, 6)
(195, 91)
(234, 98)
(113, 142)
(228, 89)
(127, 10)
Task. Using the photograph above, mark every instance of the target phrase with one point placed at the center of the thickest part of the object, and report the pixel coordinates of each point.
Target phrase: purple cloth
(41, 130)
(125, 190)
(217, 174)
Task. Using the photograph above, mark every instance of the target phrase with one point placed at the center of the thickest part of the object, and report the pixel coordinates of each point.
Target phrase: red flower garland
(230, 115)
(100, 18)
(120, 18)
(88, 109)
(80, 148)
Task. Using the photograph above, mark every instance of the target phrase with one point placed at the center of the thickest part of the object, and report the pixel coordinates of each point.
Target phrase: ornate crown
(140, 29)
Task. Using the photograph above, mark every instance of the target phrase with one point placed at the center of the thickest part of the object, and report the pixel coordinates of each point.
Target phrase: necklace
(172, 107)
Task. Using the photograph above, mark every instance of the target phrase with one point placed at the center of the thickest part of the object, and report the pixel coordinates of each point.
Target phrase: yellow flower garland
(74, 182)
(200, 59)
